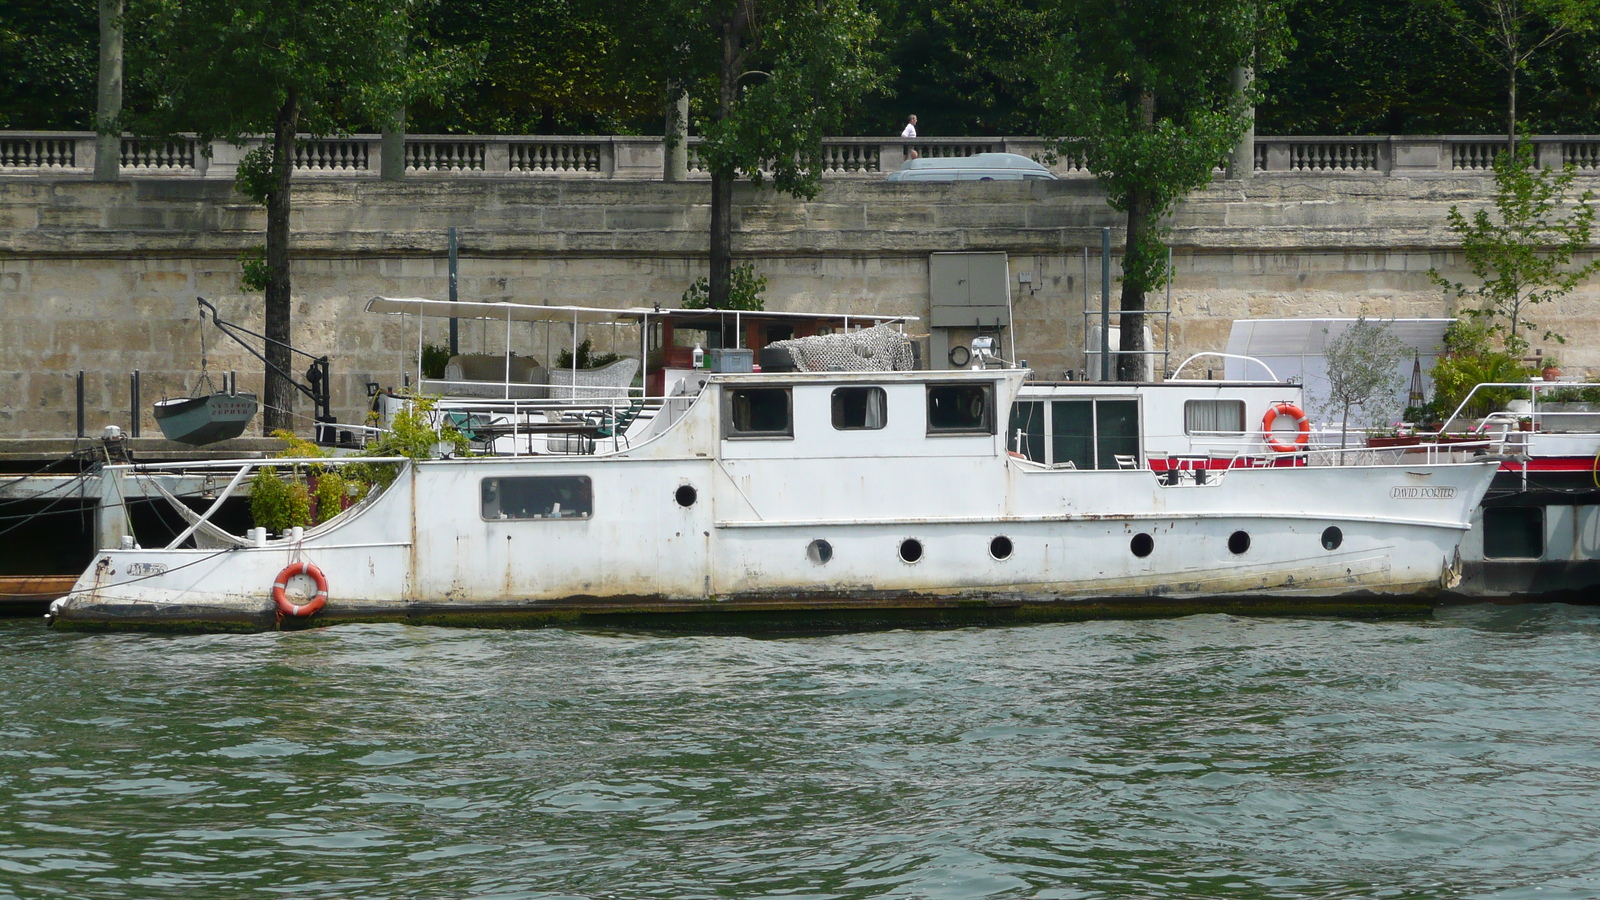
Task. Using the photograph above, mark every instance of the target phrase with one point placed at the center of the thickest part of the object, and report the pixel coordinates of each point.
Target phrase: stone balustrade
(60, 153)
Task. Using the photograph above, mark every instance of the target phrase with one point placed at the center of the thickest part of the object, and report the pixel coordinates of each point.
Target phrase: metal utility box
(732, 360)
(968, 289)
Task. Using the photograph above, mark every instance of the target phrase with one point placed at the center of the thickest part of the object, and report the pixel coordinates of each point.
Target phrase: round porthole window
(910, 550)
(1000, 547)
(687, 495)
(1332, 537)
(819, 551)
(1238, 542)
(1142, 544)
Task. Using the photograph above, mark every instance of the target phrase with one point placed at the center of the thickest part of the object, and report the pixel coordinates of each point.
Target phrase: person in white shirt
(910, 132)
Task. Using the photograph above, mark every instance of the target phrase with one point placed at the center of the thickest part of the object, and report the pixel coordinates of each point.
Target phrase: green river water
(1457, 756)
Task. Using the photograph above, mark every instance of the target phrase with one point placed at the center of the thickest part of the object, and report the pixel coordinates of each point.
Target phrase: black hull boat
(206, 419)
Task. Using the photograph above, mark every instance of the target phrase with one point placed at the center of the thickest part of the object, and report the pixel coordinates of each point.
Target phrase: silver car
(980, 167)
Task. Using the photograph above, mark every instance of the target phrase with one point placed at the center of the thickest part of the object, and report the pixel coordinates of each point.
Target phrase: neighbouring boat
(206, 419)
(1537, 533)
(866, 486)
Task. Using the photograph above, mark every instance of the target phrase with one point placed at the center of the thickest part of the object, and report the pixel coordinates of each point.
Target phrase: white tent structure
(1294, 349)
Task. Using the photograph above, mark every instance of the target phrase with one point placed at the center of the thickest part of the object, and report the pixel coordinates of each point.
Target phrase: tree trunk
(1511, 113)
(721, 237)
(108, 100)
(1130, 362)
(278, 397)
(734, 33)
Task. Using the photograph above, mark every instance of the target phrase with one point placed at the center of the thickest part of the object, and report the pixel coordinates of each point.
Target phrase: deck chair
(1126, 460)
(616, 426)
(469, 423)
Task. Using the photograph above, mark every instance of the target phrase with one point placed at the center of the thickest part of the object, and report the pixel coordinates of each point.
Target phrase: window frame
(1047, 425)
(834, 407)
(584, 480)
(1244, 423)
(1539, 513)
(987, 429)
(730, 433)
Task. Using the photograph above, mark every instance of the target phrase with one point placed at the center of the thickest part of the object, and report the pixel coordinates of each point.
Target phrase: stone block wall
(103, 277)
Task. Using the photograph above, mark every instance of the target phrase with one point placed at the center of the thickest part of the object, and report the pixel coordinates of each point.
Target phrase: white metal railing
(642, 158)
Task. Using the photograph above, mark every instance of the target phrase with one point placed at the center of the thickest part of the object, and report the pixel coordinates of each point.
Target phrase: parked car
(981, 167)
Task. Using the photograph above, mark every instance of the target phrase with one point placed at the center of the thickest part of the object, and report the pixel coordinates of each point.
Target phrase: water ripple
(1209, 756)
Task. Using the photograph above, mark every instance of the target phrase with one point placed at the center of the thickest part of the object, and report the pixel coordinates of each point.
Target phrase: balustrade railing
(158, 154)
(333, 156)
(1581, 155)
(38, 153)
(72, 154)
(445, 156)
(1475, 155)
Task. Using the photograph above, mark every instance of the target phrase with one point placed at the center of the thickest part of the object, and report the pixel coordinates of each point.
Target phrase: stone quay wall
(102, 278)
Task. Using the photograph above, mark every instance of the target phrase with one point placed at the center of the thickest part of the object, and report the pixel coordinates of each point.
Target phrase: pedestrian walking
(910, 133)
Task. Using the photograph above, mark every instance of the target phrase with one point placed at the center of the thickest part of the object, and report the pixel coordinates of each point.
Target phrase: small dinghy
(207, 418)
(209, 415)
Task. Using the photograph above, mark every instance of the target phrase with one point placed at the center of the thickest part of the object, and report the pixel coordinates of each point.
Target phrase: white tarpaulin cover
(1294, 350)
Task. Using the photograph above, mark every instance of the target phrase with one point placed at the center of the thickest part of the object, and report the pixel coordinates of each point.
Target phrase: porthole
(819, 551)
(1332, 537)
(1000, 547)
(1142, 544)
(687, 495)
(1238, 542)
(910, 550)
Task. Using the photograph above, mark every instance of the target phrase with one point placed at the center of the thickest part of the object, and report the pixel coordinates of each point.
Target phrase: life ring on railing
(1301, 422)
(282, 599)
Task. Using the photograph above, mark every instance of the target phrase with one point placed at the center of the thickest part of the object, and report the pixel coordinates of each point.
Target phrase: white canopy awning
(528, 312)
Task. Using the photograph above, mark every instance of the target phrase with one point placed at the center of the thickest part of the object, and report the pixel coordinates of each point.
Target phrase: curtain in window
(875, 410)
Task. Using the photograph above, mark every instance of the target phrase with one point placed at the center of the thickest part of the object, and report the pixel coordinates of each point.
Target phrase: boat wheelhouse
(848, 482)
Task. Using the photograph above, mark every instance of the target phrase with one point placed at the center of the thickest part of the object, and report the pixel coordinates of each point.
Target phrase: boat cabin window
(543, 497)
(859, 408)
(960, 409)
(757, 413)
(1075, 434)
(1513, 532)
(1213, 417)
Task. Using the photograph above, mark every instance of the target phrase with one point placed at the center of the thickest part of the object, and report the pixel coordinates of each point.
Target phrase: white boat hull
(424, 549)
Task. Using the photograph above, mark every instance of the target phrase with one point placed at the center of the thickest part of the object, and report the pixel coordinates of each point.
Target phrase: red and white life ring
(1302, 436)
(282, 600)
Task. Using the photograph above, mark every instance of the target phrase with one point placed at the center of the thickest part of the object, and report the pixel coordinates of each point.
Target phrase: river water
(1457, 756)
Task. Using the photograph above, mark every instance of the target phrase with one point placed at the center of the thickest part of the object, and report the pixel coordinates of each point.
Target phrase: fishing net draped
(876, 349)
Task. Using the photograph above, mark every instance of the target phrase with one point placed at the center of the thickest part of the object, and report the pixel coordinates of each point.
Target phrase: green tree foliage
(1471, 358)
(745, 290)
(1521, 253)
(1509, 33)
(1370, 67)
(1142, 91)
(770, 79)
(48, 54)
(549, 67)
(1364, 371)
(238, 69)
(963, 66)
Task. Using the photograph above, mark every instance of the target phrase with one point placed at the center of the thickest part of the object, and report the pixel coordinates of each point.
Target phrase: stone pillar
(1243, 164)
(108, 103)
(675, 166)
(392, 149)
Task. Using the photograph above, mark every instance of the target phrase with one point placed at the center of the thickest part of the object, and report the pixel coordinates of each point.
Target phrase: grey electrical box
(968, 290)
(727, 359)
